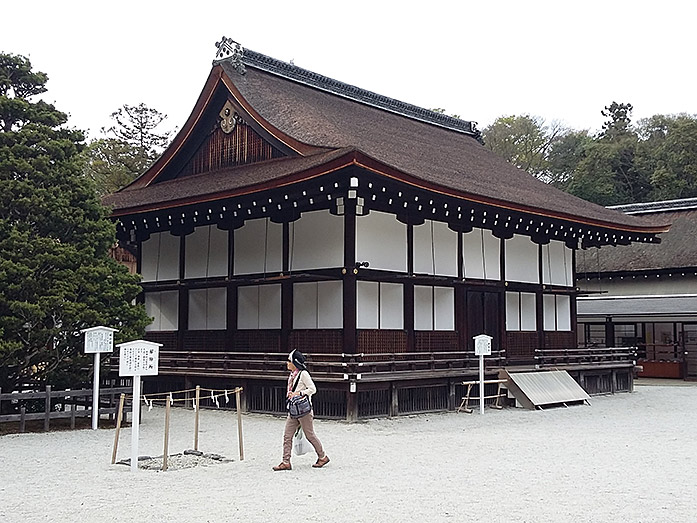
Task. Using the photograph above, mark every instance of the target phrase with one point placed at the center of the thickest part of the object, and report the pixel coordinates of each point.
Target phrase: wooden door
(483, 317)
(690, 340)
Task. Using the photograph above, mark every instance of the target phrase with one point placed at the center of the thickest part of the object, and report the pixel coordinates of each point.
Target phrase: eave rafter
(350, 181)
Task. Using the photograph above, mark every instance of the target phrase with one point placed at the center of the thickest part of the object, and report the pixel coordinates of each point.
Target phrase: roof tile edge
(324, 83)
(681, 204)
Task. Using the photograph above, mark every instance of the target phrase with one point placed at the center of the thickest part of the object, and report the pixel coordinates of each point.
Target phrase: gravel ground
(629, 457)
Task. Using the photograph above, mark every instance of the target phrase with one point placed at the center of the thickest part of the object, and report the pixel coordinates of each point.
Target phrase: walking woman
(300, 384)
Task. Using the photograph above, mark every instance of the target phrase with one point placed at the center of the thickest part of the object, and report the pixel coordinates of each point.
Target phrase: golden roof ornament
(228, 118)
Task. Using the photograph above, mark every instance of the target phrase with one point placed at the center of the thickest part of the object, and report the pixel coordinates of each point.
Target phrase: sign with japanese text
(482, 345)
(99, 339)
(139, 358)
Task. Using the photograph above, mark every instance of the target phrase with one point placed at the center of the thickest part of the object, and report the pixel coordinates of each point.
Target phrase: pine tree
(55, 273)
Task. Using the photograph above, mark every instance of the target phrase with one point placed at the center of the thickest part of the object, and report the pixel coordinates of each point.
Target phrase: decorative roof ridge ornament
(231, 51)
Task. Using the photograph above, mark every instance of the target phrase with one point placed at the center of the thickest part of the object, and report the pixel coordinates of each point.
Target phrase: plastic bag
(300, 443)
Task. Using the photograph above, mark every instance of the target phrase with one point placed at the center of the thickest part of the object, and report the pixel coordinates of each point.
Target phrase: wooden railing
(585, 356)
(51, 404)
(660, 352)
(324, 366)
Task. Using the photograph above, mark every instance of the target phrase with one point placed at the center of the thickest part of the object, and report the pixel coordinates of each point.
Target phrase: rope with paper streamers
(169, 399)
(215, 394)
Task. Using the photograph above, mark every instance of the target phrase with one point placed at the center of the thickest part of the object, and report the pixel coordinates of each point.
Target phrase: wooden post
(119, 417)
(197, 408)
(72, 414)
(22, 418)
(166, 449)
(47, 407)
(239, 422)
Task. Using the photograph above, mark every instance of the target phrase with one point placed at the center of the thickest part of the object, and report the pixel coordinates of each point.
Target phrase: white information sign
(138, 358)
(97, 341)
(482, 345)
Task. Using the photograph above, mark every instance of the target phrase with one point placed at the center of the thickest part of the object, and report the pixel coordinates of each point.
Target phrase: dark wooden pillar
(286, 293)
(183, 309)
(539, 302)
(349, 292)
(408, 305)
(231, 309)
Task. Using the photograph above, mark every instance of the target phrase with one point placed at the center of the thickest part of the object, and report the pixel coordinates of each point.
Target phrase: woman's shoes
(320, 462)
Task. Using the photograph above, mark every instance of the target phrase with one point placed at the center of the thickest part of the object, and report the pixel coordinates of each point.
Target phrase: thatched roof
(321, 121)
(677, 248)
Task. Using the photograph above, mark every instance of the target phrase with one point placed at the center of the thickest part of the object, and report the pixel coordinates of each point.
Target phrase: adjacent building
(645, 295)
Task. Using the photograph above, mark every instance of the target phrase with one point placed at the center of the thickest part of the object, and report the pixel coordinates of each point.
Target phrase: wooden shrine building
(293, 211)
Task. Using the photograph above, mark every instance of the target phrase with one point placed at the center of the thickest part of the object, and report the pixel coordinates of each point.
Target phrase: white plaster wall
(206, 252)
(512, 311)
(391, 306)
(521, 312)
(557, 264)
(259, 307)
(160, 257)
(522, 261)
(444, 307)
(258, 247)
(367, 305)
(318, 305)
(381, 240)
(163, 307)
(549, 312)
(563, 313)
(481, 252)
(528, 311)
(317, 241)
(423, 308)
(435, 249)
(207, 309)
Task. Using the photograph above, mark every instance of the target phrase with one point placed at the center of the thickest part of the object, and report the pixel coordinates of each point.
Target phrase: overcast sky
(556, 59)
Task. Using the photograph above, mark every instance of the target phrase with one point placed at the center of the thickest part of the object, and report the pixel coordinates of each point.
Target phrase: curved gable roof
(311, 115)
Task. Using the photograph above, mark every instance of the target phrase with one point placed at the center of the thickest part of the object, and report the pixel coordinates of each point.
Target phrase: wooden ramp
(537, 390)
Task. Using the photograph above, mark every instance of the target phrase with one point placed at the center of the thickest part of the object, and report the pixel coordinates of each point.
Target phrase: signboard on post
(97, 341)
(482, 347)
(137, 358)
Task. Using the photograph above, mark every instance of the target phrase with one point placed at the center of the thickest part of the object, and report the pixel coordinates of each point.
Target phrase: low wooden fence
(324, 366)
(51, 404)
(585, 357)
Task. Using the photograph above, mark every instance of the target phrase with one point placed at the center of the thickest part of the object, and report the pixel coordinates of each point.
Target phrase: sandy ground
(629, 457)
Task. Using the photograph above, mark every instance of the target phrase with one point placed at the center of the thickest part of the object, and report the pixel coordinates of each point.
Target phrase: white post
(482, 347)
(135, 422)
(95, 393)
(481, 383)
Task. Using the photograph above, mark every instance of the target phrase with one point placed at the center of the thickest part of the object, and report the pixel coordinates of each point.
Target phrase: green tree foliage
(131, 145)
(112, 164)
(607, 169)
(525, 141)
(136, 126)
(668, 155)
(623, 163)
(55, 273)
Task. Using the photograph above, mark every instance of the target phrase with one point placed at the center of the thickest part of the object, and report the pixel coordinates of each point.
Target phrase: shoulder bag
(298, 406)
